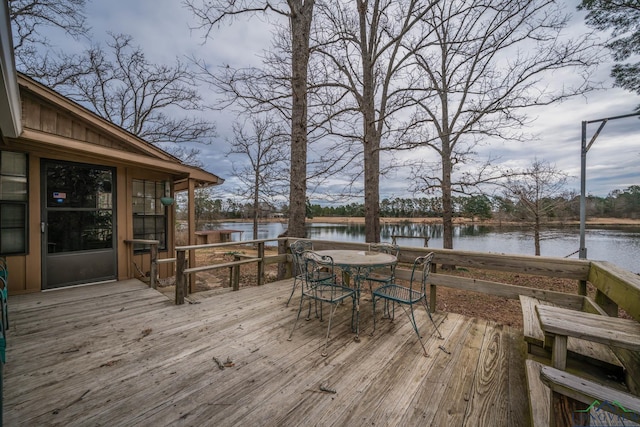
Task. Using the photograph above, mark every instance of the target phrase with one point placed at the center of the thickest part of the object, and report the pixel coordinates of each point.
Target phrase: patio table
(358, 265)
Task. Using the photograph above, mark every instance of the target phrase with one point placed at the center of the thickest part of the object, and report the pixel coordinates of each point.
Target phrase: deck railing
(615, 287)
(184, 273)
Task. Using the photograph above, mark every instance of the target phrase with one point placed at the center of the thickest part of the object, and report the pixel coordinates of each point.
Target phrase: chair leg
(309, 312)
(295, 285)
(373, 301)
(297, 317)
(426, 307)
(353, 314)
(326, 343)
(412, 319)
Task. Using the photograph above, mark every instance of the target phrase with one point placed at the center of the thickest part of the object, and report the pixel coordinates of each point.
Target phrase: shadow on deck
(124, 354)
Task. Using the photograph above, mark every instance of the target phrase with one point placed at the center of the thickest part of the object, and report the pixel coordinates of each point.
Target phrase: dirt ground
(472, 304)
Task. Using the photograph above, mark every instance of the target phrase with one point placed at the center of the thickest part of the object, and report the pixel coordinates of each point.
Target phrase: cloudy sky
(162, 29)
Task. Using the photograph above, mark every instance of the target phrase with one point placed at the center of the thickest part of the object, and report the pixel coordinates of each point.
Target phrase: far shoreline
(456, 221)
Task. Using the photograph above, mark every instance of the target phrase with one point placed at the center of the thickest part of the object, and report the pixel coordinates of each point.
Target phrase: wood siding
(26, 270)
(40, 115)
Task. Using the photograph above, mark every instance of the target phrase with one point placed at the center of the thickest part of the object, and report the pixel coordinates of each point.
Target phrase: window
(13, 203)
(79, 207)
(149, 215)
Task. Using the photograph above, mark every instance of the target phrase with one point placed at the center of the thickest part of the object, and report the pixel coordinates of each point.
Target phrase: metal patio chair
(409, 296)
(297, 248)
(386, 274)
(319, 285)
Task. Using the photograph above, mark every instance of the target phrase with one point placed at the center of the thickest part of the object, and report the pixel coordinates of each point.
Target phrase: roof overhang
(143, 154)
(10, 111)
(178, 170)
(65, 104)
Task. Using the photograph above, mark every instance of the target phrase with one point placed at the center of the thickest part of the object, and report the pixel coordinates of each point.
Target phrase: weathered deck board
(451, 379)
(123, 354)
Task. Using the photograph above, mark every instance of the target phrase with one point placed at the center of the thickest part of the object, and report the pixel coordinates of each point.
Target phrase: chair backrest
(420, 272)
(299, 246)
(385, 247)
(297, 249)
(317, 268)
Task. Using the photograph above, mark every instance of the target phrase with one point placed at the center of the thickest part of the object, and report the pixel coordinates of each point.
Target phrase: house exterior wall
(26, 271)
(54, 132)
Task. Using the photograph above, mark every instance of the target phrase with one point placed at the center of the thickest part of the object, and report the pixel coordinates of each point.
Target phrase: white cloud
(161, 28)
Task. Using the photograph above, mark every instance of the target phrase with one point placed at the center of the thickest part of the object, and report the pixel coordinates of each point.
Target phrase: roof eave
(10, 106)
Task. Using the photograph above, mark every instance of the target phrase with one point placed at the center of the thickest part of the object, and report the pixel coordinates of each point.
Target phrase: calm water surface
(620, 246)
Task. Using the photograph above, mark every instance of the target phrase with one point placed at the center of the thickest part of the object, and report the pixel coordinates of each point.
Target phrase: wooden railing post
(432, 291)
(261, 264)
(607, 304)
(236, 278)
(180, 276)
(153, 269)
(582, 287)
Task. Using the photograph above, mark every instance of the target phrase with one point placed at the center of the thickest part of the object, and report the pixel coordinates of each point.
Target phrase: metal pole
(583, 189)
(583, 174)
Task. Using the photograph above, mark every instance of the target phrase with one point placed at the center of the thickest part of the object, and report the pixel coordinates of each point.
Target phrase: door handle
(42, 226)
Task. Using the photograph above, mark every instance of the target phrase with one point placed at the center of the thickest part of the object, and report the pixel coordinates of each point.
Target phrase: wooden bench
(587, 360)
(560, 323)
(588, 399)
(621, 335)
(579, 350)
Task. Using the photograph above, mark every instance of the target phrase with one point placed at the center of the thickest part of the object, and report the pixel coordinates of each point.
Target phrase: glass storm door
(78, 224)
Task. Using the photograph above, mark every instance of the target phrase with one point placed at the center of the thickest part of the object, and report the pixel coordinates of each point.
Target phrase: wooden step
(574, 384)
(539, 395)
(594, 353)
(602, 402)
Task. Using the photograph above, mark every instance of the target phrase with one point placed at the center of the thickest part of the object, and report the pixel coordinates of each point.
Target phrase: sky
(163, 29)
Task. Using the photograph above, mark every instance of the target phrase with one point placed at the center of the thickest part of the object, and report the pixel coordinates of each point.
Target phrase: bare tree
(122, 86)
(263, 143)
(299, 14)
(368, 50)
(29, 17)
(489, 61)
(622, 17)
(538, 193)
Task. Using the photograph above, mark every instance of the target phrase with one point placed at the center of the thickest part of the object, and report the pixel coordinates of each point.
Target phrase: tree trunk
(536, 234)
(447, 201)
(256, 202)
(300, 22)
(371, 137)
(447, 204)
(372, 190)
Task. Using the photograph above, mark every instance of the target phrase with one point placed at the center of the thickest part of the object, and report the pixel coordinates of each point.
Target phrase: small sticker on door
(59, 197)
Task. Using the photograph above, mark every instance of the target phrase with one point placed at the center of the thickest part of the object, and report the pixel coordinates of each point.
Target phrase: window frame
(13, 202)
(146, 208)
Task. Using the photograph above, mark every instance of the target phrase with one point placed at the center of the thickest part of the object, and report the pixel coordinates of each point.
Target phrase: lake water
(620, 246)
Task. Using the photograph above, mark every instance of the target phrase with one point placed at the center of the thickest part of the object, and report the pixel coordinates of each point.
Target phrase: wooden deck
(122, 354)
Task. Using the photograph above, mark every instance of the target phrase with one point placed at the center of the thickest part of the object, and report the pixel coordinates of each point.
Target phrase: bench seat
(594, 353)
(543, 379)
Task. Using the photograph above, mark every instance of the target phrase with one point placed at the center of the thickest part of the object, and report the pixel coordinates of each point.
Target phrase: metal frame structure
(583, 173)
